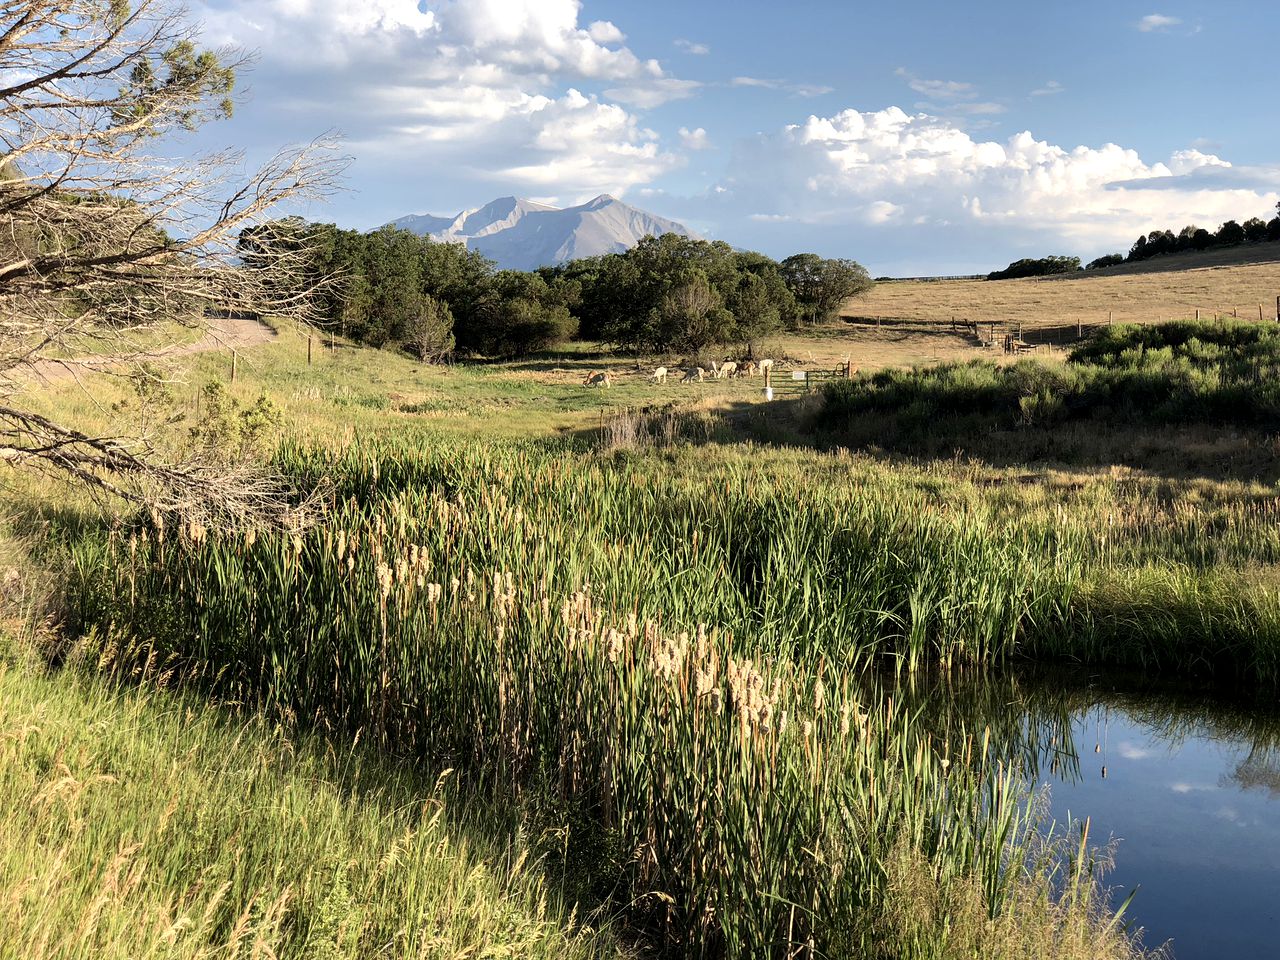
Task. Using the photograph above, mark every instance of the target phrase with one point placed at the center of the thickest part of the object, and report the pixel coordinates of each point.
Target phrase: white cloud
(505, 91)
(882, 211)
(654, 92)
(1049, 89)
(797, 89)
(938, 89)
(1153, 22)
(602, 31)
(697, 49)
(928, 169)
(695, 139)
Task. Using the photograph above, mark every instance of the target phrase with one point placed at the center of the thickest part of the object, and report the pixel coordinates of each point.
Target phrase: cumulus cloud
(1154, 22)
(1049, 89)
(602, 31)
(508, 91)
(696, 49)
(895, 170)
(695, 139)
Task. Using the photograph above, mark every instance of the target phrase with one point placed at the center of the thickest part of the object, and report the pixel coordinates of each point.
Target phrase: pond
(1191, 791)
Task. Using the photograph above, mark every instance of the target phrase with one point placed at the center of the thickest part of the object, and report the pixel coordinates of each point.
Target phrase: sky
(919, 138)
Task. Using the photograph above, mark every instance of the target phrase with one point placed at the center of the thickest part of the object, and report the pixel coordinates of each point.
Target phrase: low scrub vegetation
(1206, 373)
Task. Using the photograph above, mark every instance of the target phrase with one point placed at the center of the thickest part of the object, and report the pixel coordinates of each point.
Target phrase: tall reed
(528, 623)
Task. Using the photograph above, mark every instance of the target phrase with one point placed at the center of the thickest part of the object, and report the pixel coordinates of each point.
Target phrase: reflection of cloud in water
(1231, 815)
(1131, 751)
(1193, 787)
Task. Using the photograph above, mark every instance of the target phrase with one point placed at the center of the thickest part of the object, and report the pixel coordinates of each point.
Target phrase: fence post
(309, 350)
(233, 366)
(1197, 313)
(1259, 313)
(768, 387)
(1109, 315)
(1079, 328)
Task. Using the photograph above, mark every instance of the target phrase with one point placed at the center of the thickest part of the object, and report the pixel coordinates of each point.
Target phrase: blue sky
(921, 137)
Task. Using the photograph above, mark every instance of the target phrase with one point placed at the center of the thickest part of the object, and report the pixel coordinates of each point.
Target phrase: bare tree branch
(103, 239)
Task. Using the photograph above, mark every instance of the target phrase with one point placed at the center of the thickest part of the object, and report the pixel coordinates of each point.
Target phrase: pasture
(1171, 287)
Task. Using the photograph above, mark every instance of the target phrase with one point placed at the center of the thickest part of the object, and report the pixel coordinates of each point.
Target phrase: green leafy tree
(429, 334)
(821, 286)
(1230, 233)
(693, 315)
(1255, 230)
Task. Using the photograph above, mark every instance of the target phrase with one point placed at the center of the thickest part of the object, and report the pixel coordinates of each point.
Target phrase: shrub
(1110, 260)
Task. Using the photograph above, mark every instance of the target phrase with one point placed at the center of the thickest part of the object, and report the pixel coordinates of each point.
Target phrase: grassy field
(1171, 287)
(653, 652)
(136, 823)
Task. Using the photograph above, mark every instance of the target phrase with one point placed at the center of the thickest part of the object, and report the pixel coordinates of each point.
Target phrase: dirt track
(223, 334)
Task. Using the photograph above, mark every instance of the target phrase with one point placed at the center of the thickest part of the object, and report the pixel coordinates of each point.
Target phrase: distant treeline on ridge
(1153, 244)
(391, 287)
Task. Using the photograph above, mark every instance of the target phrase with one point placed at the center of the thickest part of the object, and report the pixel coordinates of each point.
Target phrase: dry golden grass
(1218, 282)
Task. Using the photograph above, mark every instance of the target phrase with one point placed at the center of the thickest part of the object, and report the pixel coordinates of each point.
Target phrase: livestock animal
(597, 379)
(747, 369)
(659, 375)
(692, 374)
(723, 370)
(764, 365)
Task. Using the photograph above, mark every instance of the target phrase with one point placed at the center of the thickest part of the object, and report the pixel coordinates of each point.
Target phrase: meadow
(1174, 286)
(666, 667)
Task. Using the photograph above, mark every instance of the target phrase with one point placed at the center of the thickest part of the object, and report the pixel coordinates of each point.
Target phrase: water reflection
(1189, 785)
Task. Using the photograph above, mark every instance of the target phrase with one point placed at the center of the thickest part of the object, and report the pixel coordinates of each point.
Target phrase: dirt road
(222, 334)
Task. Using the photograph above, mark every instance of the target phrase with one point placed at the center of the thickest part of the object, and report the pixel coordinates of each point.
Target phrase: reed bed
(529, 620)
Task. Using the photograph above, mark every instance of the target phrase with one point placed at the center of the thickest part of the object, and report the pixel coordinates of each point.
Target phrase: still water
(1190, 789)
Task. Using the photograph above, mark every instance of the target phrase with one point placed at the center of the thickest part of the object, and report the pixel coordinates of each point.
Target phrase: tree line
(1230, 234)
(1153, 244)
(391, 287)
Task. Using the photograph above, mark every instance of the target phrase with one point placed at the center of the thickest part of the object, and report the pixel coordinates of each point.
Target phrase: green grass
(526, 612)
(135, 823)
(525, 617)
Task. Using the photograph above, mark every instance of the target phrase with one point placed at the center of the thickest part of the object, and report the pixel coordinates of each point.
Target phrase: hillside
(521, 234)
(1214, 282)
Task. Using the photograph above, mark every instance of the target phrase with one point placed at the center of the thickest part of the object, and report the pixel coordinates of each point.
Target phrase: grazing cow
(693, 374)
(597, 379)
(723, 370)
(659, 375)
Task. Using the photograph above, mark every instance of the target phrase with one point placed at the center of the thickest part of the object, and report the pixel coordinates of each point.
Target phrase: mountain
(524, 234)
